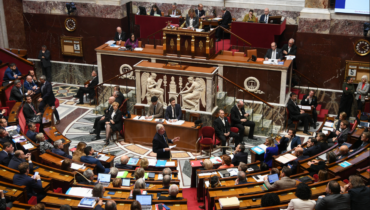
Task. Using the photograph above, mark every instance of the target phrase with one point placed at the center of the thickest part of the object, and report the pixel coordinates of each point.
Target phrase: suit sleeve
(98, 207)
(47, 94)
(18, 72)
(291, 109)
(320, 204)
(269, 186)
(40, 55)
(152, 12)
(233, 117)
(9, 75)
(99, 166)
(118, 118)
(268, 54)
(167, 114)
(47, 55)
(27, 86)
(156, 147)
(342, 138)
(160, 114)
(304, 100)
(36, 185)
(116, 37)
(293, 51)
(280, 54)
(218, 130)
(197, 22)
(179, 114)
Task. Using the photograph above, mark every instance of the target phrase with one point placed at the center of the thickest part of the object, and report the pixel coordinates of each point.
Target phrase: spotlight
(366, 28)
(71, 7)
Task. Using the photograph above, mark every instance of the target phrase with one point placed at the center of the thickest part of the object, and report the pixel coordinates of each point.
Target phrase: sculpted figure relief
(150, 88)
(194, 93)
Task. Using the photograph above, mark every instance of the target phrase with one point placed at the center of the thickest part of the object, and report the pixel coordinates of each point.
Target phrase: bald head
(29, 78)
(119, 30)
(124, 159)
(240, 104)
(266, 11)
(111, 99)
(343, 150)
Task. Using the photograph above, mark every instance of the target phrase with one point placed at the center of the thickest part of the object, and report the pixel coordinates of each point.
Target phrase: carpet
(191, 195)
(224, 44)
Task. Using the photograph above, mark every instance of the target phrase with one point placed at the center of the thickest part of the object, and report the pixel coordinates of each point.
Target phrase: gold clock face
(70, 24)
(362, 47)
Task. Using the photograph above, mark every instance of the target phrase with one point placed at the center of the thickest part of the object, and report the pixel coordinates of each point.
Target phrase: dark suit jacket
(29, 86)
(240, 157)
(226, 19)
(7, 139)
(31, 184)
(9, 74)
(28, 112)
(92, 160)
(124, 166)
(284, 143)
(4, 158)
(262, 18)
(279, 54)
(2, 201)
(82, 180)
(243, 182)
(16, 95)
(306, 102)
(293, 49)
(294, 110)
(158, 12)
(178, 113)
(45, 62)
(200, 13)
(360, 198)
(14, 163)
(295, 163)
(159, 144)
(195, 21)
(311, 151)
(60, 152)
(220, 128)
(31, 135)
(178, 12)
(116, 38)
(47, 93)
(120, 98)
(98, 207)
(235, 116)
(334, 202)
(169, 198)
(342, 137)
(91, 86)
(117, 118)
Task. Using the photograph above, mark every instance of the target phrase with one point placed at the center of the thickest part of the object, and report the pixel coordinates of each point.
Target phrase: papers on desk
(290, 57)
(217, 19)
(159, 120)
(76, 166)
(199, 30)
(110, 42)
(78, 191)
(103, 157)
(304, 107)
(206, 183)
(323, 156)
(175, 16)
(88, 202)
(19, 138)
(328, 129)
(28, 146)
(114, 45)
(172, 146)
(216, 160)
(179, 122)
(170, 163)
(208, 174)
(160, 176)
(138, 49)
(271, 62)
(10, 128)
(232, 171)
(141, 118)
(259, 178)
(329, 124)
(152, 162)
(286, 158)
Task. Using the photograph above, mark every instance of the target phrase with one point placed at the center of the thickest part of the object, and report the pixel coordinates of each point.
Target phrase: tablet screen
(126, 182)
(273, 178)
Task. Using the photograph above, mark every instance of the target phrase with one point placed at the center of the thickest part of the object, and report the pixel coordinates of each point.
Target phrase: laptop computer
(145, 201)
(104, 179)
(126, 182)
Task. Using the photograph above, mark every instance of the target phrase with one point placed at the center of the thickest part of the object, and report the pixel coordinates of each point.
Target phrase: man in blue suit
(91, 160)
(173, 112)
(313, 148)
(18, 158)
(30, 84)
(31, 133)
(6, 154)
(31, 183)
(58, 146)
(11, 73)
(265, 17)
(294, 164)
(289, 141)
(47, 97)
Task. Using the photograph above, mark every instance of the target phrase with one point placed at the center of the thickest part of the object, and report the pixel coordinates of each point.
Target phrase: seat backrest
(228, 118)
(207, 132)
(2, 72)
(241, 54)
(139, 43)
(251, 52)
(226, 52)
(22, 120)
(7, 92)
(149, 46)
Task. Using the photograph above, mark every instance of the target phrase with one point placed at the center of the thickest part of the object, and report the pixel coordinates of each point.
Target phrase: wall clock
(70, 24)
(362, 47)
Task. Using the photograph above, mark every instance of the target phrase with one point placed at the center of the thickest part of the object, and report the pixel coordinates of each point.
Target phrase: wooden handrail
(17, 57)
(112, 79)
(305, 77)
(154, 33)
(260, 99)
(233, 34)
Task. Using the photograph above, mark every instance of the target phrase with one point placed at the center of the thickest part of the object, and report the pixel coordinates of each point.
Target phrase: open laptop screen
(144, 199)
(104, 177)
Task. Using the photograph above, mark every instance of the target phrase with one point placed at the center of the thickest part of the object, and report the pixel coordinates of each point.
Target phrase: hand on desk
(171, 121)
(39, 113)
(148, 117)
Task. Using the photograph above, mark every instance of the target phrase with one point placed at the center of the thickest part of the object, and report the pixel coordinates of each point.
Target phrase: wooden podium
(186, 42)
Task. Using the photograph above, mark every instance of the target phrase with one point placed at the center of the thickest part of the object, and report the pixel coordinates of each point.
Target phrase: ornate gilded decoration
(362, 47)
(178, 42)
(200, 45)
(70, 24)
(192, 44)
(211, 44)
(186, 45)
(172, 44)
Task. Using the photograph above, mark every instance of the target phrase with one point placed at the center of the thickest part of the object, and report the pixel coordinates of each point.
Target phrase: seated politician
(58, 146)
(295, 114)
(200, 11)
(249, 17)
(120, 36)
(132, 42)
(270, 151)
(265, 17)
(240, 156)
(31, 133)
(313, 148)
(89, 158)
(6, 154)
(29, 84)
(274, 53)
(155, 11)
(113, 122)
(222, 130)
(30, 112)
(290, 48)
(289, 141)
(192, 21)
(173, 191)
(123, 164)
(155, 109)
(173, 112)
(11, 73)
(18, 92)
(174, 11)
(226, 19)
(89, 88)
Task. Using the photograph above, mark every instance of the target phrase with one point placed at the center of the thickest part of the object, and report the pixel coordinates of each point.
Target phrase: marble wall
(316, 4)
(14, 24)
(318, 26)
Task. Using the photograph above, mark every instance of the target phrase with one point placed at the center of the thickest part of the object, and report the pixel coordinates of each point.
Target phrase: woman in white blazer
(362, 89)
(302, 202)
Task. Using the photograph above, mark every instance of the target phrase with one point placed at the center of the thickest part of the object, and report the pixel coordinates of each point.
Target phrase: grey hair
(364, 77)
(241, 176)
(17, 81)
(139, 184)
(57, 143)
(39, 136)
(158, 127)
(88, 173)
(167, 171)
(174, 190)
(292, 39)
(113, 171)
(223, 8)
(43, 77)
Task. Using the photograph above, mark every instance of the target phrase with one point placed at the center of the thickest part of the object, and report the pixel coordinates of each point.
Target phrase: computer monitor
(104, 178)
(275, 19)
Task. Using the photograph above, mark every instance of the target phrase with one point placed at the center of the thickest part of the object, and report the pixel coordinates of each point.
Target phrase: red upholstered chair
(295, 122)
(56, 103)
(7, 110)
(58, 190)
(346, 181)
(207, 138)
(32, 200)
(9, 104)
(232, 129)
(22, 121)
(316, 177)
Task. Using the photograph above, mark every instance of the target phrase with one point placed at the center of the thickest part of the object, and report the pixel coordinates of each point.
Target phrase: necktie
(288, 49)
(164, 138)
(32, 108)
(265, 18)
(174, 12)
(20, 90)
(154, 110)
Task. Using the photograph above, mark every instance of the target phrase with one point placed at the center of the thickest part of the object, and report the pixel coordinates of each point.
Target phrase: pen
(14, 192)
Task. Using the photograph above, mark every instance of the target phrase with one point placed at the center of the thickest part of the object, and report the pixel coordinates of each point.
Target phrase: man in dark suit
(240, 155)
(311, 100)
(222, 130)
(226, 19)
(119, 98)
(365, 137)
(58, 149)
(89, 88)
(173, 112)
(47, 97)
(343, 152)
(4, 137)
(294, 164)
(30, 113)
(200, 12)
(173, 191)
(155, 108)
(3, 123)
(274, 53)
(289, 141)
(290, 48)
(120, 35)
(342, 136)
(295, 113)
(99, 123)
(265, 17)
(242, 178)
(2, 196)
(44, 56)
(239, 119)
(313, 148)
(89, 151)
(6, 154)
(22, 179)
(89, 175)
(161, 141)
(18, 158)
(18, 92)
(333, 200)
(29, 84)
(11, 73)
(123, 164)
(31, 133)
(174, 11)
(166, 182)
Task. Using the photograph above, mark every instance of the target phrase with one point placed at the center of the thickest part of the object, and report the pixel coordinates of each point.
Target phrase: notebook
(133, 161)
(161, 163)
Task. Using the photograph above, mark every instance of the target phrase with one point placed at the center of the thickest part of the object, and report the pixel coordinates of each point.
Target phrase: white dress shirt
(273, 54)
(191, 20)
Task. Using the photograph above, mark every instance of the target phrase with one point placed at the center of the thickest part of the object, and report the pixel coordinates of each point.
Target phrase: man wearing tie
(222, 129)
(160, 143)
(44, 56)
(120, 35)
(11, 73)
(239, 119)
(30, 113)
(265, 17)
(290, 48)
(47, 97)
(311, 100)
(274, 53)
(295, 113)
(174, 11)
(89, 88)
(226, 19)
(155, 109)
(17, 93)
(30, 84)
(100, 121)
(173, 112)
